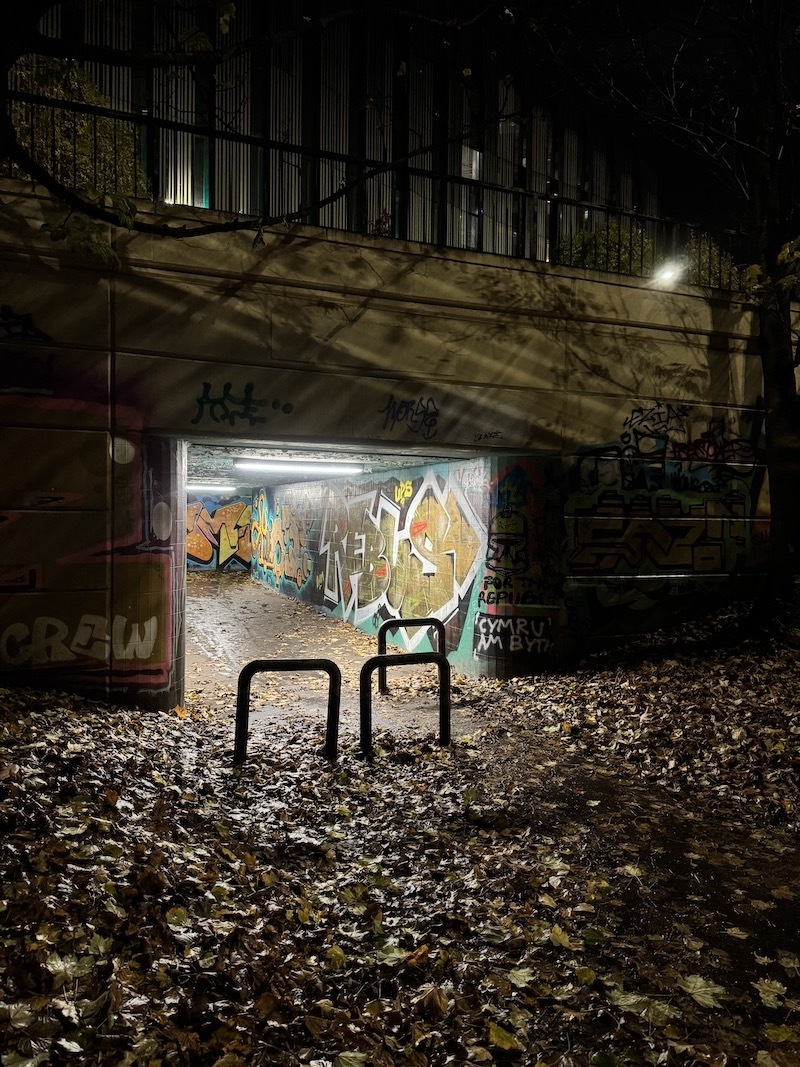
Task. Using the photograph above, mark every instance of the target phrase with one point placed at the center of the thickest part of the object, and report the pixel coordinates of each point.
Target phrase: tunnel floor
(232, 620)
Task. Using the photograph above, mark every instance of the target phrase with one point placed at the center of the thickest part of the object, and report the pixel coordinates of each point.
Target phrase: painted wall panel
(58, 469)
(467, 345)
(54, 550)
(519, 623)
(659, 367)
(170, 313)
(76, 301)
(660, 516)
(38, 385)
(191, 398)
(617, 364)
(336, 265)
(88, 537)
(80, 632)
(218, 532)
(681, 309)
(595, 423)
(406, 545)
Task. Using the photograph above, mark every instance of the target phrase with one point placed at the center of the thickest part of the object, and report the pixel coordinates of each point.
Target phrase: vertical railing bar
(365, 692)
(258, 666)
(397, 624)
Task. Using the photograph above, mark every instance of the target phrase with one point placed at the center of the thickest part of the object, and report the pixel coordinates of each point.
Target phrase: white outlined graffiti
(400, 548)
(415, 561)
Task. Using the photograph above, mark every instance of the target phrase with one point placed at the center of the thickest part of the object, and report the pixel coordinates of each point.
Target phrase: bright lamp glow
(210, 488)
(287, 466)
(668, 273)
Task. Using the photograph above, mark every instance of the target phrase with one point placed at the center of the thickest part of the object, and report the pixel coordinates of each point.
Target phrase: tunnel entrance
(362, 537)
(232, 620)
(223, 481)
(303, 552)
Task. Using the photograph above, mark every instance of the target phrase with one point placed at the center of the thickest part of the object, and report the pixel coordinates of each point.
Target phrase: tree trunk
(782, 429)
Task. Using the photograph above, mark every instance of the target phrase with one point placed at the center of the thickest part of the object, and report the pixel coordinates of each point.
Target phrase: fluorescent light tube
(291, 467)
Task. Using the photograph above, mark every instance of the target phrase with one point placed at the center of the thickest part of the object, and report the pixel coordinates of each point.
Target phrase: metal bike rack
(365, 692)
(256, 666)
(396, 624)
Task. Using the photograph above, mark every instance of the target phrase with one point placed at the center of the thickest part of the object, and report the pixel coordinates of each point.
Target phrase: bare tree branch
(100, 212)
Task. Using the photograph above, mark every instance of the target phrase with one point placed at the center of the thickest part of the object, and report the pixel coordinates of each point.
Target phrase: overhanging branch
(101, 212)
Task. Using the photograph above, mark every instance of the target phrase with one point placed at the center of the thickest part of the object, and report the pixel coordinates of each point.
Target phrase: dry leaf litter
(604, 872)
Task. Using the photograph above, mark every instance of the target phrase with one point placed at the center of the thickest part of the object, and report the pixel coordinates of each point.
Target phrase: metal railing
(397, 624)
(116, 152)
(365, 692)
(257, 666)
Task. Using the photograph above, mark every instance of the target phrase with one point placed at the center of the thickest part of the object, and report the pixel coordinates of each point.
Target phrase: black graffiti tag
(420, 415)
(657, 420)
(14, 325)
(228, 408)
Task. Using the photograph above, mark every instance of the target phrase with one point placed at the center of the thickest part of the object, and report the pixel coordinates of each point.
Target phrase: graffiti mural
(678, 499)
(369, 551)
(640, 533)
(669, 447)
(279, 541)
(519, 594)
(218, 533)
(668, 496)
(91, 592)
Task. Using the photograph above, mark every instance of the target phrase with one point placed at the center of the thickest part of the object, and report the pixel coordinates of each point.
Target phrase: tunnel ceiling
(210, 463)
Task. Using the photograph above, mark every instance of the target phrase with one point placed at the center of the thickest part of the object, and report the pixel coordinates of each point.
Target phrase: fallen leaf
(769, 991)
(560, 937)
(781, 1033)
(703, 990)
(501, 1038)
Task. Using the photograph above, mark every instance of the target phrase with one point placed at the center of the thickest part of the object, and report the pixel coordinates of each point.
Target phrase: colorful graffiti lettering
(420, 415)
(665, 498)
(411, 563)
(218, 537)
(709, 448)
(368, 556)
(669, 453)
(228, 408)
(402, 492)
(636, 533)
(280, 543)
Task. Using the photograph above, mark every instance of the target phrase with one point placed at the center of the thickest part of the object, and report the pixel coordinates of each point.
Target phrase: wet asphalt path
(232, 620)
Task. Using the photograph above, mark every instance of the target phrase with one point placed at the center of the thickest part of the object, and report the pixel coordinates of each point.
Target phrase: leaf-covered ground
(606, 872)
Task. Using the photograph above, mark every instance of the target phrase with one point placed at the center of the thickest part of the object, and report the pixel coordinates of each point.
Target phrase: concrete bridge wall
(616, 428)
